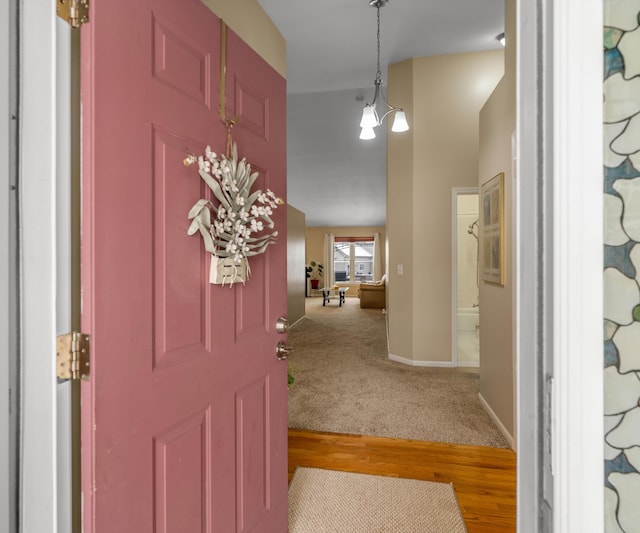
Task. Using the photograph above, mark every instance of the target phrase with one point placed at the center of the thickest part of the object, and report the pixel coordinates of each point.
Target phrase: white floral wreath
(240, 214)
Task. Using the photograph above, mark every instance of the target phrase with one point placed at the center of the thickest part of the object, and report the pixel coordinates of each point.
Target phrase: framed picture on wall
(492, 229)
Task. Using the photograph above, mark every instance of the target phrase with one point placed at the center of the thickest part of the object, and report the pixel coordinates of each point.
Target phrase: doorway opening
(465, 303)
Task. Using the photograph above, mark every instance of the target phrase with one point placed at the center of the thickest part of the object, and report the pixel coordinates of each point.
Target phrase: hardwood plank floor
(484, 479)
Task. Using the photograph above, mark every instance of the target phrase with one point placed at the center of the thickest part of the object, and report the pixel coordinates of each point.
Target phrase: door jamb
(9, 279)
(455, 192)
(559, 279)
(63, 202)
(37, 164)
(578, 250)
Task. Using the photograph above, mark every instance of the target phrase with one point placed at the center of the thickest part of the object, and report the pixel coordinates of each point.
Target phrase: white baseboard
(497, 421)
(469, 364)
(297, 322)
(411, 362)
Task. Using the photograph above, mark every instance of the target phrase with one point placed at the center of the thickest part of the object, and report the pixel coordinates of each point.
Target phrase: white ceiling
(334, 178)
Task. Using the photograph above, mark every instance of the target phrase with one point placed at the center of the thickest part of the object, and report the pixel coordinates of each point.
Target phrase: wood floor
(484, 479)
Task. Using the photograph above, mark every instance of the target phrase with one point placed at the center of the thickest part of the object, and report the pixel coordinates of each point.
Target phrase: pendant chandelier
(370, 117)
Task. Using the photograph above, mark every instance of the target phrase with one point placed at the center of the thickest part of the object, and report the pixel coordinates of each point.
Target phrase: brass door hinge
(75, 12)
(72, 356)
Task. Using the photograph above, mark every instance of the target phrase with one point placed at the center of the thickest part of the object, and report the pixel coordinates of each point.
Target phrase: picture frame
(492, 229)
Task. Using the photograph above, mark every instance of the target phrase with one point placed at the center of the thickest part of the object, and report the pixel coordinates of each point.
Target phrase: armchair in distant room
(373, 294)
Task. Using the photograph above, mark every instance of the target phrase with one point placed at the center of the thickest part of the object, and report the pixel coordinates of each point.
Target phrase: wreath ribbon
(229, 124)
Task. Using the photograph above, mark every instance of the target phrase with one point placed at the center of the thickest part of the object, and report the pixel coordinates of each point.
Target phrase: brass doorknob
(283, 351)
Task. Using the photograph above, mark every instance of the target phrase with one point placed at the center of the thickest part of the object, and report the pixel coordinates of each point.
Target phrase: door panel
(252, 109)
(253, 311)
(184, 419)
(180, 290)
(181, 497)
(253, 466)
(181, 63)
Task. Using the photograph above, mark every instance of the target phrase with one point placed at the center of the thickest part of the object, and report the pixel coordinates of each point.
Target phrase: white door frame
(559, 273)
(63, 209)
(528, 320)
(455, 192)
(577, 392)
(8, 276)
(37, 174)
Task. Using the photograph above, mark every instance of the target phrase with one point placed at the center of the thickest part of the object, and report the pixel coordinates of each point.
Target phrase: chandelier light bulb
(400, 122)
(367, 134)
(369, 117)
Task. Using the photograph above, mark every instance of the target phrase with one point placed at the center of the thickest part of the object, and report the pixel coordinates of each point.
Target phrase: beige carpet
(345, 383)
(326, 501)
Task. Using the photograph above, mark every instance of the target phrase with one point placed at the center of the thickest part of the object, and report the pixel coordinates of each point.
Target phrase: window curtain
(377, 257)
(329, 240)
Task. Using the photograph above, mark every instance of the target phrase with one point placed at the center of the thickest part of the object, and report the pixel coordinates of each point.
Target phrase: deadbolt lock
(282, 325)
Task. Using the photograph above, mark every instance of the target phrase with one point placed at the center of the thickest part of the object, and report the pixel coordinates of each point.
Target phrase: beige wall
(296, 277)
(315, 244)
(443, 96)
(497, 123)
(400, 227)
(251, 23)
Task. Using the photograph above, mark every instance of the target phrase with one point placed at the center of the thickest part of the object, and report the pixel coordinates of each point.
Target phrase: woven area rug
(327, 501)
(345, 383)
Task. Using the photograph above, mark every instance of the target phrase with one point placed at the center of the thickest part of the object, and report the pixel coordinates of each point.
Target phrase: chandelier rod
(378, 72)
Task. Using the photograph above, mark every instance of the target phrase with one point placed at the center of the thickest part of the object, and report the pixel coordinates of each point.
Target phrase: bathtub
(468, 318)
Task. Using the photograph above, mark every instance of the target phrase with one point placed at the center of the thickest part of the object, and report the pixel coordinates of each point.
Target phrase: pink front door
(184, 418)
